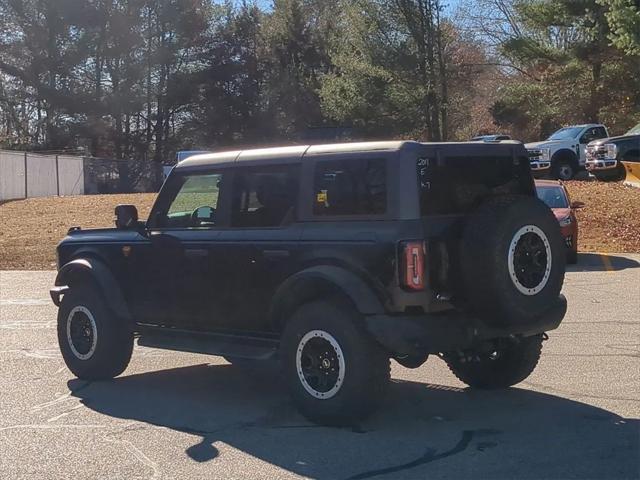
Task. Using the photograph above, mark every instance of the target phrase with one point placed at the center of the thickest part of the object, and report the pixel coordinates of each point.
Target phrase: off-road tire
(113, 339)
(618, 174)
(563, 170)
(366, 365)
(488, 264)
(515, 363)
(621, 172)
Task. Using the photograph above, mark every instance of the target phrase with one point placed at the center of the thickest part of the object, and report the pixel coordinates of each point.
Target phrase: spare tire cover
(512, 260)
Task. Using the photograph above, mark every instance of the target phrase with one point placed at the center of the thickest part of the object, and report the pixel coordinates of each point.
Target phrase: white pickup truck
(564, 152)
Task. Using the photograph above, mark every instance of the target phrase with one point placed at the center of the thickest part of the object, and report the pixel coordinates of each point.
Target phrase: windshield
(554, 197)
(634, 131)
(564, 133)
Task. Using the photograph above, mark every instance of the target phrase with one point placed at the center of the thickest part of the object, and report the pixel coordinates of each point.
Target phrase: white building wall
(11, 175)
(71, 171)
(41, 176)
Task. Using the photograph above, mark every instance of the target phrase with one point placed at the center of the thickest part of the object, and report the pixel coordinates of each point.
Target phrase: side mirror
(577, 205)
(126, 216)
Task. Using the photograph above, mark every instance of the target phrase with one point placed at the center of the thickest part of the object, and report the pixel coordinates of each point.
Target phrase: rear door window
(264, 196)
(350, 187)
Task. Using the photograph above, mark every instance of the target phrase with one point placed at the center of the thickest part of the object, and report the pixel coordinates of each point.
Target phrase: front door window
(193, 204)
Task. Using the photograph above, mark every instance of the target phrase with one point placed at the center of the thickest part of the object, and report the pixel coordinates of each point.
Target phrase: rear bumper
(453, 330)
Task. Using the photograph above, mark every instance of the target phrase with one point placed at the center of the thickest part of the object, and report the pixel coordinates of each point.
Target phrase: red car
(555, 195)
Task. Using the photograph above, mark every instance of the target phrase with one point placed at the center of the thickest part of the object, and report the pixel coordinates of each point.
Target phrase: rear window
(554, 197)
(350, 187)
(457, 184)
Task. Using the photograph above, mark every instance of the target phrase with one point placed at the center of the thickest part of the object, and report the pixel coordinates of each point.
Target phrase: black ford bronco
(332, 259)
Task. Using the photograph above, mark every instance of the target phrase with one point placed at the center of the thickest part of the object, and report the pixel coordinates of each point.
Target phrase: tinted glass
(593, 133)
(554, 197)
(194, 204)
(350, 187)
(600, 132)
(264, 196)
(565, 133)
(459, 184)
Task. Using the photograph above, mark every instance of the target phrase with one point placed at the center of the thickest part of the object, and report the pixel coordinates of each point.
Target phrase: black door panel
(259, 260)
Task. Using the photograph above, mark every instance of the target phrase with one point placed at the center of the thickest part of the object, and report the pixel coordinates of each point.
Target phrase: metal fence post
(26, 191)
(57, 176)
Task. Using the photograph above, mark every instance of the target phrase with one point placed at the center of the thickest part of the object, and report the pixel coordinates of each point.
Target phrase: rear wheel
(411, 361)
(509, 362)
(94, 343)
(336, 373)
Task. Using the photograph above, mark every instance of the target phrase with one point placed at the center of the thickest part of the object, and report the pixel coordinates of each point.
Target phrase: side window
(194, 203)
(600, 132)
(592, 134)
(350, 187)
(264, 196)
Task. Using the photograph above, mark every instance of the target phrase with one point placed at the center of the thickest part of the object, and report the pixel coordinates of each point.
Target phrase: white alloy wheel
(530, 260)
(320, 364)
(82, 333)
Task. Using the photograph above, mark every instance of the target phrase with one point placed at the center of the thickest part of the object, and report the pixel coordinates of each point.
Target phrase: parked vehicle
(556, 196)
(563, 154)
(605, 156)
(332, 258)
(491, 138)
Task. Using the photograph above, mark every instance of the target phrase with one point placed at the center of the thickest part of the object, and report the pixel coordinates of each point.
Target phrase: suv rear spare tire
(512, 260)
(336, 373)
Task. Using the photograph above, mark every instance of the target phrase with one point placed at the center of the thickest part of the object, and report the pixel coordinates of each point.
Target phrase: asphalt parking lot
(184, 416)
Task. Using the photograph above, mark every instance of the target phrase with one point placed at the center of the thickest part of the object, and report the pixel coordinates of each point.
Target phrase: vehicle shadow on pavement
(596, 262)
(420, 428)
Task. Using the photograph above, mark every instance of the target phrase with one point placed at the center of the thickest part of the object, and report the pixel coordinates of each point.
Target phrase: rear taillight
(413, 277)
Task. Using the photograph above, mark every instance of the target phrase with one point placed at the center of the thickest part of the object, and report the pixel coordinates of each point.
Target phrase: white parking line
(25, 301)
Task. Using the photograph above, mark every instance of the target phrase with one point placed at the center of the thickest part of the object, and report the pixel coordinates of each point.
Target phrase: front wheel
(95, 344)
(510, 361)
(563, 170)
(336, 373)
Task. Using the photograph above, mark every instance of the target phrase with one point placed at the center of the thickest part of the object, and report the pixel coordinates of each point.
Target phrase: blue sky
(451, 5)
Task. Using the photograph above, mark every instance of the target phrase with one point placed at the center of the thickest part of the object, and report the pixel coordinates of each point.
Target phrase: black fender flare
(83, 270)
(322, 280)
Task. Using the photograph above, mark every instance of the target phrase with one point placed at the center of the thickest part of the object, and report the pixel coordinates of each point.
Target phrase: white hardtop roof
(292, 152)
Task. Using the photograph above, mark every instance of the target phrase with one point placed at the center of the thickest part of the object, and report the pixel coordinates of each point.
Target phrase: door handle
(275, 253)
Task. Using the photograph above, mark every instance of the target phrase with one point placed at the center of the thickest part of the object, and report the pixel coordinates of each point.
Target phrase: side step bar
(255, 348)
